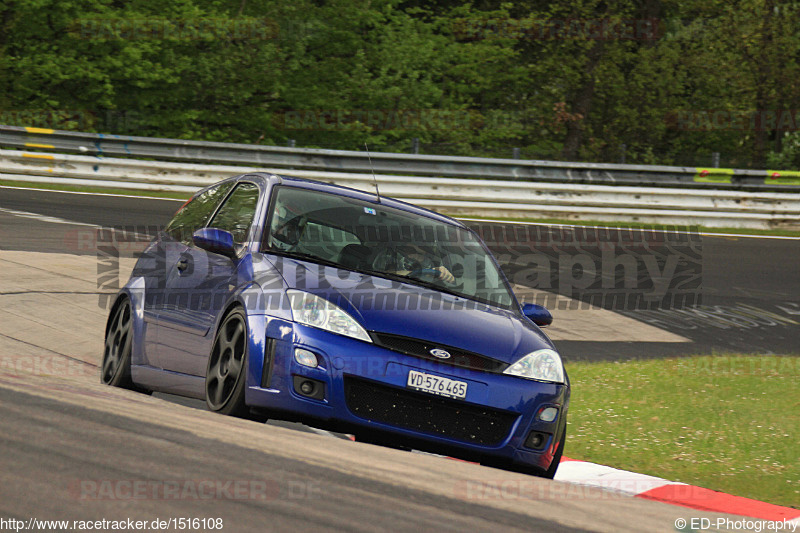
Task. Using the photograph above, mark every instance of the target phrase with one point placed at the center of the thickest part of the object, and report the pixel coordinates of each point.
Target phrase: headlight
(541, 365)
(318, 312)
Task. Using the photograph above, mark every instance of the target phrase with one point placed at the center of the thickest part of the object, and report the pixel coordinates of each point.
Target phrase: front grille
(422, 348)
(427, 413)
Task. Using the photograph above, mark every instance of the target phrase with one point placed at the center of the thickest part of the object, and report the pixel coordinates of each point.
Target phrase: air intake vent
(426, 413)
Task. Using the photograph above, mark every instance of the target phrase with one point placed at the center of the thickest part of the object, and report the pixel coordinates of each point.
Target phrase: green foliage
(576, 80)
(789, 156)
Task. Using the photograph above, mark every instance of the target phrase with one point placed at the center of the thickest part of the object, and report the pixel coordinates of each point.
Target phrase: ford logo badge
(441, 354)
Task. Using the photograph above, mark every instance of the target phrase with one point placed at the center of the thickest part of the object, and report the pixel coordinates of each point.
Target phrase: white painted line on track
(44, 218)
(57, 220)
(86, 193)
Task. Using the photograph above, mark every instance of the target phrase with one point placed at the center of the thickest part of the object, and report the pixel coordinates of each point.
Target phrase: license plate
(436, 385)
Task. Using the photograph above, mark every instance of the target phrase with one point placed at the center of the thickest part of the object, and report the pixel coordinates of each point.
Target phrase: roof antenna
(374, 179)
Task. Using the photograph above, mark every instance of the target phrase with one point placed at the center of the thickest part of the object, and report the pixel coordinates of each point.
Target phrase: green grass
(726, 422)
(81, 188)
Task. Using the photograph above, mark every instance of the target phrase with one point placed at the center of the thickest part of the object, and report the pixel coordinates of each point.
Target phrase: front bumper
(364, 391)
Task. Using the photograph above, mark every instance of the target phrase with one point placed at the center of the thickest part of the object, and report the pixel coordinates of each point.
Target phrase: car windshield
(376, 239)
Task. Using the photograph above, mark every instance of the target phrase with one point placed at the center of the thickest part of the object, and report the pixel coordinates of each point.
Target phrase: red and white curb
(662, 490)
(586, 474)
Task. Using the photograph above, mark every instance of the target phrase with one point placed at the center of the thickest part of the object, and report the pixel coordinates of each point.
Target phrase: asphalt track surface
(72, 449)
(123, 450)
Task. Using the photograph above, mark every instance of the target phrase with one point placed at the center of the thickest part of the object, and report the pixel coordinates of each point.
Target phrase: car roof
(268, 179)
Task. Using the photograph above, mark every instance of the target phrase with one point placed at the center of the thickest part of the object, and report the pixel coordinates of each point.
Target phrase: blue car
(276, 297)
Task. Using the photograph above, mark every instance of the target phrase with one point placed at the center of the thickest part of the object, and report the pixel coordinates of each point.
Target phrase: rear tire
(115, 369)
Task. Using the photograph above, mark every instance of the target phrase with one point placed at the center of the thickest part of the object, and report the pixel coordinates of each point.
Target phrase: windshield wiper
(434, 286)
(388, 275)
(412, 281)
(305, 257)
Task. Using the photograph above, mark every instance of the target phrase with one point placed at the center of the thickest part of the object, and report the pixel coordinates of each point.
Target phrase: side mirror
(216, 241)
(538, 314)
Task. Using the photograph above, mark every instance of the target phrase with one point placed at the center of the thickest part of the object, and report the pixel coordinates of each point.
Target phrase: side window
(236, 214)
(195, 213)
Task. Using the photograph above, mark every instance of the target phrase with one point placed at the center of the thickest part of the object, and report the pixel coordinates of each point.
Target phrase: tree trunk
(581, 104)
(764, 103)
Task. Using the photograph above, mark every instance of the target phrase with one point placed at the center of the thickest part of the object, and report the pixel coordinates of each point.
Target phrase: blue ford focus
(276, 297)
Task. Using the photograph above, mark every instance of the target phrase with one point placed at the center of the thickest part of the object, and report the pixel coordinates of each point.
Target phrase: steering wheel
(425, 272)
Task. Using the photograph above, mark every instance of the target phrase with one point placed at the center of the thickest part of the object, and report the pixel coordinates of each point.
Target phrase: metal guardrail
(455, 196)
(396, 163)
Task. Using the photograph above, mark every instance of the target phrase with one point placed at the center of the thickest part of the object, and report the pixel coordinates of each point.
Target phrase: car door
(151, 268)
(162, 256)
(200, 283)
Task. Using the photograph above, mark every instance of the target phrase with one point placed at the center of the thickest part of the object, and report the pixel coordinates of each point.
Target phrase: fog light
(548, 414)
(536, 440)
(307, 387)
(305, 358)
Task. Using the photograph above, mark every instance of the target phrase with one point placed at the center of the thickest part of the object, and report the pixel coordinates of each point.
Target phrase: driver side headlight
(317, 312)
(541, 365)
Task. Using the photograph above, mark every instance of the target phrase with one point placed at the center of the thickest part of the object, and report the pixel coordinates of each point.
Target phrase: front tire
(551, 472)
(226, 374)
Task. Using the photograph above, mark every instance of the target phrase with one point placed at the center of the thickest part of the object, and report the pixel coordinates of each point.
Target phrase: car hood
(392, 307)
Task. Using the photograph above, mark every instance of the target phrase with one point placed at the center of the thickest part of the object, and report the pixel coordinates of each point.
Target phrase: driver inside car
(415, 261)
(285, 231)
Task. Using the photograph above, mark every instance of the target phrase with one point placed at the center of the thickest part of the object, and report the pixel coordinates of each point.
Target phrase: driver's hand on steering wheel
(439, 272)
(445, 275)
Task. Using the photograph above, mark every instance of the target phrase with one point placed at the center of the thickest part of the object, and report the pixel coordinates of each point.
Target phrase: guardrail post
(622, 149)
(290, 143)
(415, 145)
(715, 159)
(515, 153)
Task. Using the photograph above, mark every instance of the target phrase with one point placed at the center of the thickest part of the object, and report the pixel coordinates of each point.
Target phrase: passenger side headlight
(541, 365)
(317, 312)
